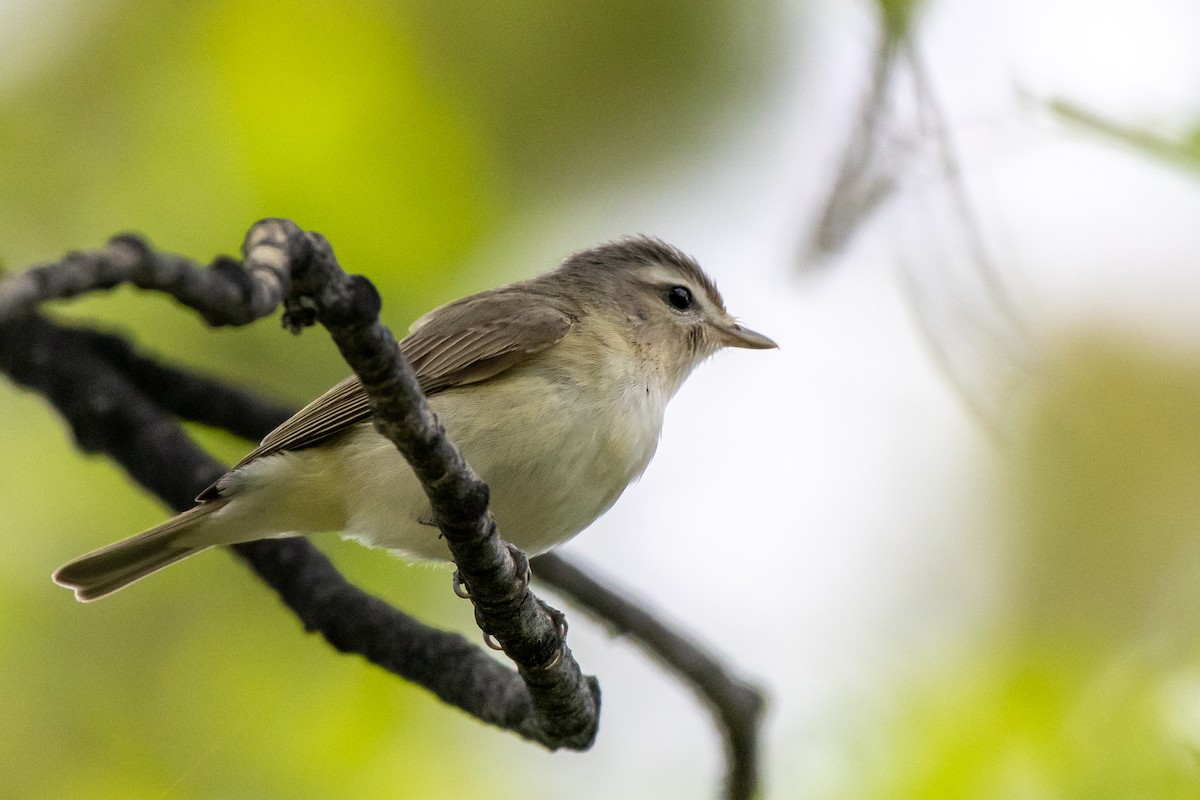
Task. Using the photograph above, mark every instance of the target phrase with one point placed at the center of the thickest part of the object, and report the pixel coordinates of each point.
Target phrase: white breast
(554, 457)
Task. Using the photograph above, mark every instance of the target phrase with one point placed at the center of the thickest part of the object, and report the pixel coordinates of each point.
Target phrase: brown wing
(478, 338)
(467, 341)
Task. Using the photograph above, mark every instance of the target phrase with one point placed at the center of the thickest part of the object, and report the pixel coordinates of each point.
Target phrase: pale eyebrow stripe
(669, 276)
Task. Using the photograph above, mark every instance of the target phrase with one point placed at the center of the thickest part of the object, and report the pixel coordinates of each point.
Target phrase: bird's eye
(680, 297)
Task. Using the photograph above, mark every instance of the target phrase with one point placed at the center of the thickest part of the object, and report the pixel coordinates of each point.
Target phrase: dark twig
(736, 704)
(105, 412)
(864, 179)
(564, 701)
(186, 394)
(224, 293)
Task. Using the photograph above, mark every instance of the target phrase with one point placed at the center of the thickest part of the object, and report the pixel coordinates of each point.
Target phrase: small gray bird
(553, 388)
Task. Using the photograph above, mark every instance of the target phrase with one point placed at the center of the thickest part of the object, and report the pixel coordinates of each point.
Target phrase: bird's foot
(520, 561)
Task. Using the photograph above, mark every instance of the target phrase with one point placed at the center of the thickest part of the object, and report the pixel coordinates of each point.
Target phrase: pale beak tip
(741, 336)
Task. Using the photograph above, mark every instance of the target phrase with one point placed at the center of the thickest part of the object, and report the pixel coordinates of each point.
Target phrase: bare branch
(187, 394)
(736, 705)
(531, 634)
(866, 173)
(224, 293)
(558, 706)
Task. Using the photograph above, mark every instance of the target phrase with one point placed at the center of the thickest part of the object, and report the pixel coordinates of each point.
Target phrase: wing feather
(464, 342)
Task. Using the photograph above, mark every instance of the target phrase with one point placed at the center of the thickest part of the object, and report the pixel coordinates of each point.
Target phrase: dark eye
(680, 297)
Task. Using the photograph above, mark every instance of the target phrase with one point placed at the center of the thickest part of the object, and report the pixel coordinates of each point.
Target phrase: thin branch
(978, 253)
(224, 293)
(186, 394)
(1183, 151)
(862, 182)
(531, 634)
(736, 705)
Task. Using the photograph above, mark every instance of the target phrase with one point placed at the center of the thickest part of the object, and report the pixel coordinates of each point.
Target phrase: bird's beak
(732, 334)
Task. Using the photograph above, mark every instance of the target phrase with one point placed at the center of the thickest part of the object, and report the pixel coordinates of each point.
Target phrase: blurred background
(950, 525)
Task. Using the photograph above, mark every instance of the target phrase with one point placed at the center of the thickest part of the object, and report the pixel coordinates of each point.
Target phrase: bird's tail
(108, 569)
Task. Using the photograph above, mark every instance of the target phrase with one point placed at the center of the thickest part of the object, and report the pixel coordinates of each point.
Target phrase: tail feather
(114, 567)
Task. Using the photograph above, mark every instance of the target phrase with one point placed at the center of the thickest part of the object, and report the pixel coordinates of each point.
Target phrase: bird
(553, 388)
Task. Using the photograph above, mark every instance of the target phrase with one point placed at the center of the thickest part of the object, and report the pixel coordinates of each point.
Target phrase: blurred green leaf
(1089, 686)
(341, 130)
(898, 17)
(1030, 723)
(574, 96)
(1105, 490)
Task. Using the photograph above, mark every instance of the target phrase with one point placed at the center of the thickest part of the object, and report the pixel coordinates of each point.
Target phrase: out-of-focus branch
(736, 704)
(902, 148)
(1183, 151)
(864, 178)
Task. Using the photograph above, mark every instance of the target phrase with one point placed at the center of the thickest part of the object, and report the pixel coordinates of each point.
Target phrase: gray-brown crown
(639, 251)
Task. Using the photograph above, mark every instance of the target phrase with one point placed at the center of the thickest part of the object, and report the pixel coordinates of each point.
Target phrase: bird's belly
(553, 465)
(552, 490)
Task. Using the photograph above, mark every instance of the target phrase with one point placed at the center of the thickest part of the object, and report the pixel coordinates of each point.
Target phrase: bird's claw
(460, 586)
(520, 561)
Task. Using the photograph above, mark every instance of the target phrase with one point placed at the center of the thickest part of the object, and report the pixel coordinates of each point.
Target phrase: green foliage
(1032, 723)
(570, 93)
(1106, 494)
(898, 17)
(1089, 685)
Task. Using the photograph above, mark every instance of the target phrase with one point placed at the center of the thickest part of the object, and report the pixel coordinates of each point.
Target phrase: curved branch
(225, 293)
(186, 394)
(531, 633)
(736, 705)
